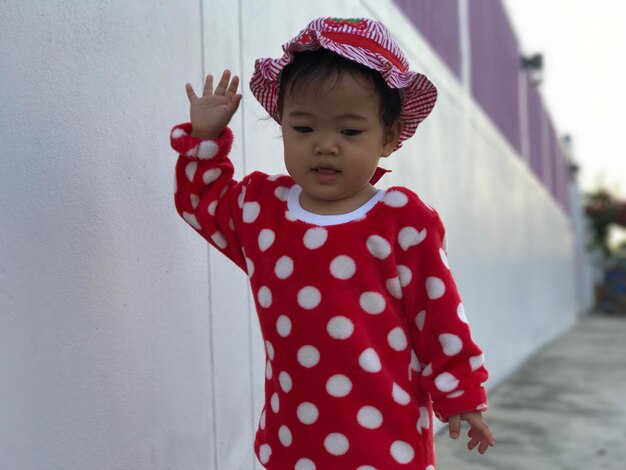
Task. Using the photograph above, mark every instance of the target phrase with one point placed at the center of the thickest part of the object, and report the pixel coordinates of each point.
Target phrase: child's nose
(326, 145)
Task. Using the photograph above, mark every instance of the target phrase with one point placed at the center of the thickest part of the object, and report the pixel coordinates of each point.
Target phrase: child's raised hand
(211, 112)
(479, 430)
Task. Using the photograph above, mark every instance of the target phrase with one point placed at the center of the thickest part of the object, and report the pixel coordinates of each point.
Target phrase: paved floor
(565, 409)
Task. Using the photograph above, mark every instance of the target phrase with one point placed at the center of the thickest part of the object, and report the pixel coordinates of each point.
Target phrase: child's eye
(351, 132)
(303, 129)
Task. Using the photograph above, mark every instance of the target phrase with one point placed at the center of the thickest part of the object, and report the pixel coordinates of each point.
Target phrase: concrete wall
(125, 343)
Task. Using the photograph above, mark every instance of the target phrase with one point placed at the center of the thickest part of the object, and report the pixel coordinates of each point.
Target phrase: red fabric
(363, 326)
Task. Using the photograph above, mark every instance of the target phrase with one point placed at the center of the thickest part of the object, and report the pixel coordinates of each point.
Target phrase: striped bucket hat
(364, 41)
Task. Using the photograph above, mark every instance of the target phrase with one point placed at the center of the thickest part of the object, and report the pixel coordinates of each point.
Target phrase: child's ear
(391, 137)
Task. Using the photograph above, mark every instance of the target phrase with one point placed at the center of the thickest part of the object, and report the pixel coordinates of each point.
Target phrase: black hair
(321, 65)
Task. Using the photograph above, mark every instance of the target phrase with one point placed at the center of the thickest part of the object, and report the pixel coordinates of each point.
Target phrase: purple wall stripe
(438, 22)
(494, 79)
(495, 66)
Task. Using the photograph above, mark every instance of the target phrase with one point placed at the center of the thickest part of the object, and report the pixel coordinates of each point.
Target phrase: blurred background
(126, 342)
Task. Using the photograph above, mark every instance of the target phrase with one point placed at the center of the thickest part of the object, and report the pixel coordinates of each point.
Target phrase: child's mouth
(325, 171)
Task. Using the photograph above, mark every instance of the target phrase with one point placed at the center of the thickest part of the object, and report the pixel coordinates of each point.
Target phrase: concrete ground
(564, 410)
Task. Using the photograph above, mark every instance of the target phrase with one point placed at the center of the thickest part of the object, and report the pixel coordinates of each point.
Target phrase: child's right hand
(212, 112)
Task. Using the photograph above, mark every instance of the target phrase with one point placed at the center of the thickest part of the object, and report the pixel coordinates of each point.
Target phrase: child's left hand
(479, 430)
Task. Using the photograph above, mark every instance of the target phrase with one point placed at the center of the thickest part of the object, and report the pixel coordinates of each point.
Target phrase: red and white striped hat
(364, 41)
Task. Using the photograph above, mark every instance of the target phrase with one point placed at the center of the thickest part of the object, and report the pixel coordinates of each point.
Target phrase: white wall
(124, 342)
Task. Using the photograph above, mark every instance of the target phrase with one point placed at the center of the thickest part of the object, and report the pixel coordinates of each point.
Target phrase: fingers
(208, 85)
(226, 87)
(479, 433)
(233, 104)
(232, 88)
(454, 426)
(190, 93)
(222, 86)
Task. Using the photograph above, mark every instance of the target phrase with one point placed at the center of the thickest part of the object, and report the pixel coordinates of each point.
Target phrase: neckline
(293, 203)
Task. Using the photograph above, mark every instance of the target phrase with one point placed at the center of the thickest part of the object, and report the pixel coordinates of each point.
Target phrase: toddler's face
(333, 139)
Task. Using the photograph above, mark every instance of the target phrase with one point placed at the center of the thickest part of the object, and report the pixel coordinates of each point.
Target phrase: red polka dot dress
(364, 330)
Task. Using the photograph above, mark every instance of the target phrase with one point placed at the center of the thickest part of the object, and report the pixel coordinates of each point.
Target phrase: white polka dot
(207, 149)
(336, 443)
(435, 288)
(219, 240)
(343, 267)
(369, 361)
(308, 356)
(424, 420)
(366, 467)
(284, 267)
(444, 258)
(274, 177)
(409, 236)
(340, 327)
(195, 200)
(378, 247)
(177, 133)
(415, 364)
(211, 175)
(249, 267)
(304, 464)
(315, 237)
(192, 152)
(419, 320)
(191, 220)
(476, 362)
(338, 386)
(450, 343)
(283, 325)
(265, 451)
(309, 297)
(241, 197)
(395, 199)
(400, 395)
(446, 382)
(284, 435)
(266, 238)
(212, 208)
(285, 381)
(190, 170)
(444, 242)
(290, 217)
(405, 275)
(264, 296)
(430, 467)
(397, 339)
(402, 452)
(456, 394)
(460, 311)
(268, 370)
(262, 420)
(281, 193)
(427, 370)
(270, 350)
(307, 413)
(372, 302)
(275, 403)
(251, 211)
(231, 224)
(394, 288)
(369, 417)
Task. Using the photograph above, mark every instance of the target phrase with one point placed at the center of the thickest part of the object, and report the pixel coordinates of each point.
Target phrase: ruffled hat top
(364, 41)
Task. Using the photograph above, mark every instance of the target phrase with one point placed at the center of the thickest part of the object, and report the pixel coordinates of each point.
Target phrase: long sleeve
(451, 364)
(206, 195)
